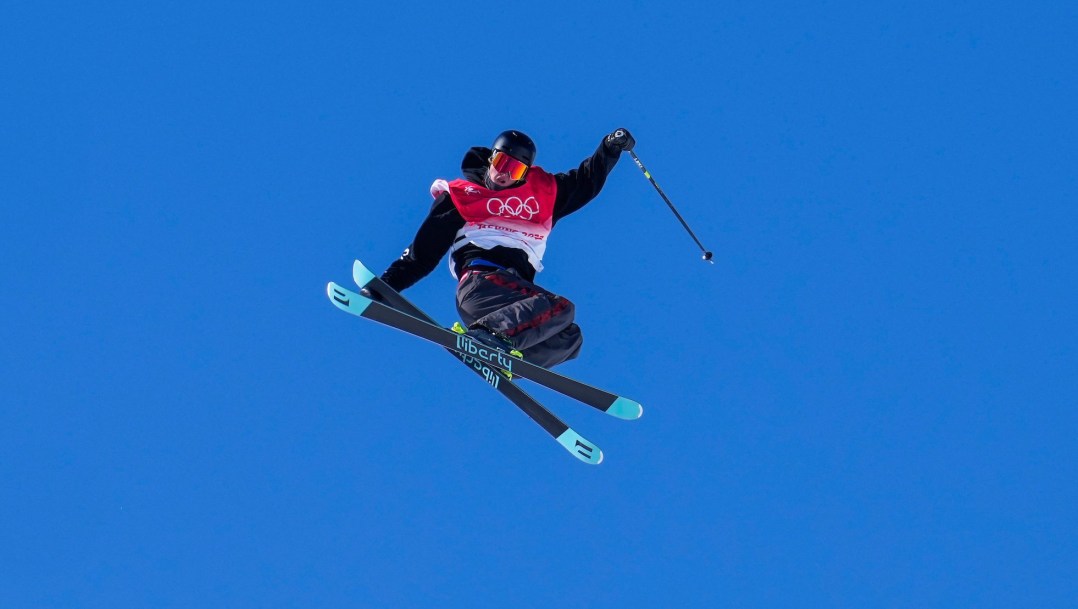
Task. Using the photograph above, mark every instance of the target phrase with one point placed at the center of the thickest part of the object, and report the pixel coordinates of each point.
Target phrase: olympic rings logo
(513, 207)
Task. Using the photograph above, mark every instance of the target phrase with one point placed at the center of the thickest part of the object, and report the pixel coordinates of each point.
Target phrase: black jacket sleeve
(577, 187)
(430, 244)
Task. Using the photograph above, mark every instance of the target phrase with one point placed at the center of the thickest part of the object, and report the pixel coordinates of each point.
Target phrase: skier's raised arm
(577, 187)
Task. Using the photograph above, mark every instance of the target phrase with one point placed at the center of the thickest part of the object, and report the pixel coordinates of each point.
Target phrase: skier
(495, 222)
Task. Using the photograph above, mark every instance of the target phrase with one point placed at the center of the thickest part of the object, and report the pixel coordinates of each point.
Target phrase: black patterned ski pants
(539, 323)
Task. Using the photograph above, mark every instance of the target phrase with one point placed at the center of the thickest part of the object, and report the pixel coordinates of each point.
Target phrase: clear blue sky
(868, 401)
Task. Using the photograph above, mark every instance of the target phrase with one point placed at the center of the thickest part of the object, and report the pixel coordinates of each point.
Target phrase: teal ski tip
(349, 302)
(580, 448)
(624, 408)
(361, 274)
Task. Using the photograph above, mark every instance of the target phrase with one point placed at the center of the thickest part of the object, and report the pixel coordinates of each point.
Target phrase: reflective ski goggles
(503, 163)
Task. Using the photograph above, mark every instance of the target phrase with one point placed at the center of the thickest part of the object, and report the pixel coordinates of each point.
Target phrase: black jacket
(576, 188)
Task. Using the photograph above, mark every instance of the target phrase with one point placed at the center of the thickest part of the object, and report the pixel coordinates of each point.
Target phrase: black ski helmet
(516, 145)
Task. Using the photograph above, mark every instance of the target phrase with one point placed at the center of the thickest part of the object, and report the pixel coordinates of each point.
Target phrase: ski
(569, 439)
(614, 405)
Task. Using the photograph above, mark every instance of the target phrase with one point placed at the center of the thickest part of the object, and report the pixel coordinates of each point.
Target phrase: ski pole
(707, 255)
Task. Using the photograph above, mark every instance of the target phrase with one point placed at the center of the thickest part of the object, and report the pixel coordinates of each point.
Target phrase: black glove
(620, 140)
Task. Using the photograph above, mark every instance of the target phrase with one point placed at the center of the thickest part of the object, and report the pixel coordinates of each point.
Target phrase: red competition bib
(519, 217)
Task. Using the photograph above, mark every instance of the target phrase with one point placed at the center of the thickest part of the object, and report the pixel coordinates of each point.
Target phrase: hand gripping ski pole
(707, 254)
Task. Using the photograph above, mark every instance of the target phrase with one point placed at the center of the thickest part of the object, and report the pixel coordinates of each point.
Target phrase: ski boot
(490, 339)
